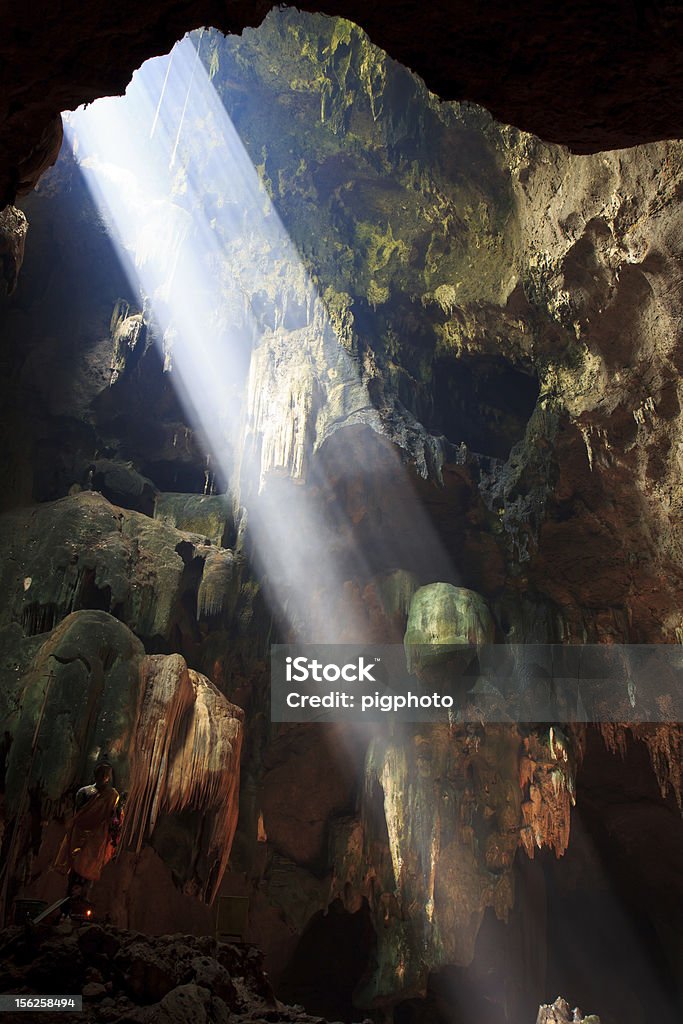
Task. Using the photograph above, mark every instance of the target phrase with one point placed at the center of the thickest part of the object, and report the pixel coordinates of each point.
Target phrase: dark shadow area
(599, 925)
(614, 900)
(485, 404)
(504, 984)
(329, 961)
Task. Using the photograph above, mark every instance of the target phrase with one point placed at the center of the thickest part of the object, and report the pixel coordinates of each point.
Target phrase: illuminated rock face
(83, 552)
(444, 810)
(499, 313)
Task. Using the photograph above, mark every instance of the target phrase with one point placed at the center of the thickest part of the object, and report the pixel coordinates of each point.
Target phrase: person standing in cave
(92, 834)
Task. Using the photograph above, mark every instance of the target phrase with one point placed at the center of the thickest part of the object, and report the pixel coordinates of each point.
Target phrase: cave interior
(298, 346)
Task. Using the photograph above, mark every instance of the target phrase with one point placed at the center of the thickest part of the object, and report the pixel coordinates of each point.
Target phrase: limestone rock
(85, 679)
(83, 552)
(95, 941)
(219, 588)
(187, 755)
(122, 485)
(149, 973)
(206, 514)
(560, 1013)
(168, 979)
(441, 618)
(443, 813)
(186, 1002)
(211, 975)
(13, 228)
(128, 332)
(94, 990)
(444, 866)
(174, 741)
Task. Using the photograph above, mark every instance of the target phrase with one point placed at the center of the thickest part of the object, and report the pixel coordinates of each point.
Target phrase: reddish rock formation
(560, 1013)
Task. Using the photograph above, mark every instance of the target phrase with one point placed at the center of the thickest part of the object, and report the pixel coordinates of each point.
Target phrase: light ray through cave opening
(197, 233)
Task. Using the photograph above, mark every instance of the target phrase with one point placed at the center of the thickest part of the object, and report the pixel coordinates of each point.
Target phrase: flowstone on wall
(444, 810)
(173, 739)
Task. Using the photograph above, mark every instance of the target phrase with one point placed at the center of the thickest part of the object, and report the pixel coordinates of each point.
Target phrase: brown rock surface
(83, 552)
(560, 1013)
(174, 741)
(13, 228)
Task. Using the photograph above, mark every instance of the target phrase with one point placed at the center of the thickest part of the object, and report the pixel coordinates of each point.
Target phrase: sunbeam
(198, 233)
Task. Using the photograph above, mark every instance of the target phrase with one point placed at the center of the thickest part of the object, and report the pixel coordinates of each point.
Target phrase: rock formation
(559, 1013)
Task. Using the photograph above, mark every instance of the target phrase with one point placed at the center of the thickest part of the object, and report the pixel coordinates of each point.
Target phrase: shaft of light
(198, 236)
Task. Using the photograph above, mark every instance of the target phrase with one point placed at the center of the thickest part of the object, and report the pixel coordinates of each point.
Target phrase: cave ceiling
(590, 76)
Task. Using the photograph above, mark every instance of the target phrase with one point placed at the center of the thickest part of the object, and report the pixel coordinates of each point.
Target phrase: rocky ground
(129, 978)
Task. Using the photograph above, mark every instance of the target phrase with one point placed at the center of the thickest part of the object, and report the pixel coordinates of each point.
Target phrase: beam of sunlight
(204, 247)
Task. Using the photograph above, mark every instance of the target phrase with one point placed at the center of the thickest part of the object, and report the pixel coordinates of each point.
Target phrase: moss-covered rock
(209, 515)
(84, 689)
(441, 618)
(83, 552)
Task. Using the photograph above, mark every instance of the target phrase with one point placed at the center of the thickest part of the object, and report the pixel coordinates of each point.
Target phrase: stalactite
(547, 777)
(204, 771)
(186, 756)
(218, 583)
(168, 696)
(664, 744)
